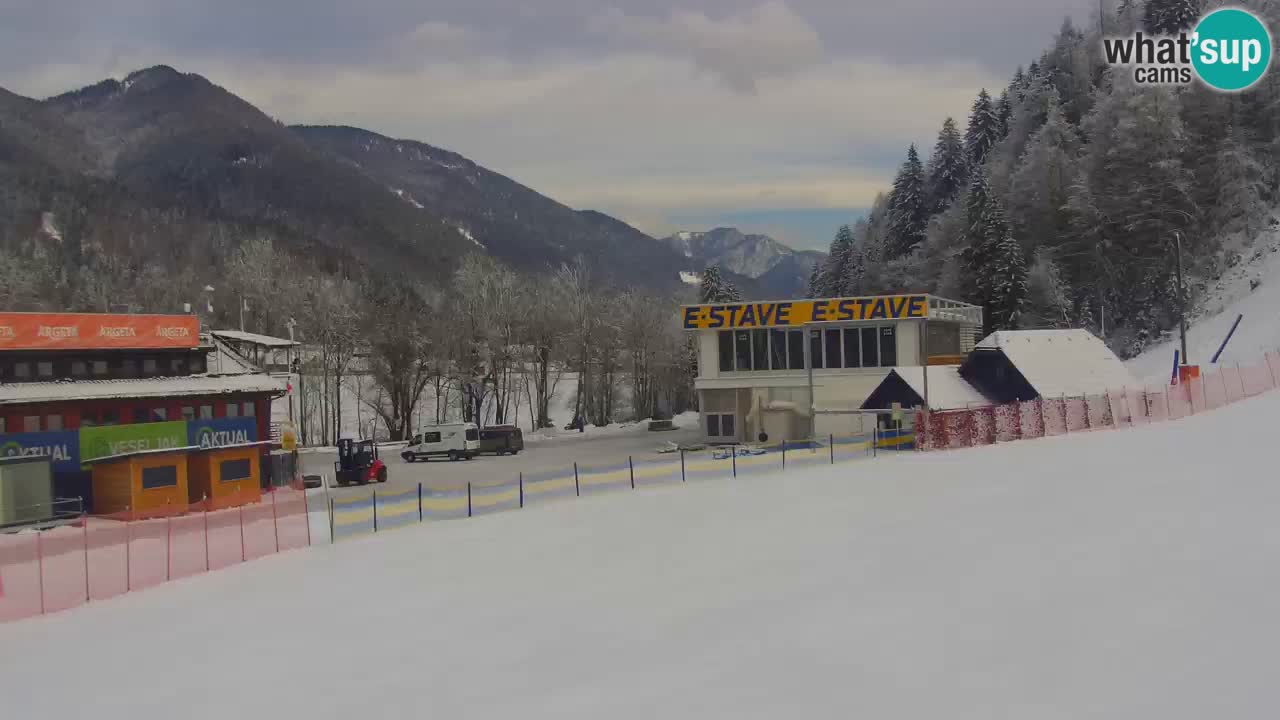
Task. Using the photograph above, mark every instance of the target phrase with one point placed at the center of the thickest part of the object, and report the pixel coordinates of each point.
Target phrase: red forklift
(358, 463)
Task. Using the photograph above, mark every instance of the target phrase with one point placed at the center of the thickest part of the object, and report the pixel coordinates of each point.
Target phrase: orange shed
(143, 482)
(226, 476)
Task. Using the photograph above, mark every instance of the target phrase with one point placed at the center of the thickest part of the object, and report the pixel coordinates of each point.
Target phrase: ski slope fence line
(1119, 408)
(99, 557)
(381, 510)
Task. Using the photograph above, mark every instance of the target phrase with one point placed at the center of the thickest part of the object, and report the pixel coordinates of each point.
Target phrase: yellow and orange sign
(803, 312)
(75, 331)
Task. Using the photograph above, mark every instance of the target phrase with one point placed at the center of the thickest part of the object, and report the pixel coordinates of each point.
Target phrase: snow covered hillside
(1115, 574)
(1253, 288)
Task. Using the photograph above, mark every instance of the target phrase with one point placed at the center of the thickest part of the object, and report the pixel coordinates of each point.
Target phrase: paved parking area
(538, 456)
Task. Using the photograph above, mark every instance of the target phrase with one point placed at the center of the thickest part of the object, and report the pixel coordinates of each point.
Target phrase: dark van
(501, 439)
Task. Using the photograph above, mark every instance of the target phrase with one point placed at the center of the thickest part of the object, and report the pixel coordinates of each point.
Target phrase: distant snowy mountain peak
(781, 269)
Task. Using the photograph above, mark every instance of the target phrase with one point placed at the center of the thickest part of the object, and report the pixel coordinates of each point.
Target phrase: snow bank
(1101, 575)
(1230, 297)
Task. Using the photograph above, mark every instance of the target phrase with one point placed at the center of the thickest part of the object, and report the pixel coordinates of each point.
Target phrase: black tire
(469, 456)
(382, 475)
(408, 457)
(453, 456)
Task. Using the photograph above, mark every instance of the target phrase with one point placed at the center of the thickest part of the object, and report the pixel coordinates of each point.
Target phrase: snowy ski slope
(1122, 574)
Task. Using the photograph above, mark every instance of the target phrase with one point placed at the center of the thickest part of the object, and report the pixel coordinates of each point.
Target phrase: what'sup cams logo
(1229, 50)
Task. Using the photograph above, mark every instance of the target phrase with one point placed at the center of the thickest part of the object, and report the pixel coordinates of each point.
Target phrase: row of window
(163, 476)
(849, 347)
(113, 416)
(35, 370)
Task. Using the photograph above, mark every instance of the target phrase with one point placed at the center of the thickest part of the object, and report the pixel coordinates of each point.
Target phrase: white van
(457, 441)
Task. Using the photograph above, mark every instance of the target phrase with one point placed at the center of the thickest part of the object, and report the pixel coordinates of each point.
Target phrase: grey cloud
(769, 40)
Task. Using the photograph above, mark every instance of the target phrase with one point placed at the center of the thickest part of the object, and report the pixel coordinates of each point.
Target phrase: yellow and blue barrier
(549, 484)
(486, 500)
(351, 516)
(604, 477)
(374, 512)
(656, 472)
(397, 509)
(444, 504)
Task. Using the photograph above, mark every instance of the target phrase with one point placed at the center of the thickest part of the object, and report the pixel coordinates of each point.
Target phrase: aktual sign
(62, 447)
(109, 440)
(73, 331)
(802, 312)
(224, 432)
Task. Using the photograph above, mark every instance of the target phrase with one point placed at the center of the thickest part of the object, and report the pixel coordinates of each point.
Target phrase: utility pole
(242, 313)
(1182, 297)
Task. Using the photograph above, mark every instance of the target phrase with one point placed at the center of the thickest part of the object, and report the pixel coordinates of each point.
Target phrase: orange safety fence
(99, 557)
(1118, 408)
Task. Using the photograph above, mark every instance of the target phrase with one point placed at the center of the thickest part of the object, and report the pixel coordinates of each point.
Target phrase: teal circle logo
(1232, 49)
(11, 449)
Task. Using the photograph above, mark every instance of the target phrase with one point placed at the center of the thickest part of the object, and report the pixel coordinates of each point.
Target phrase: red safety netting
(1077, 414)
(1256, 379)
(984, 426)
(1157, 405)
(1008, 422)
(20, 576)
(1055, 418)
(96, 558)
(63, 567)
(1124, 407)
(1097, 411)
(1031, 422)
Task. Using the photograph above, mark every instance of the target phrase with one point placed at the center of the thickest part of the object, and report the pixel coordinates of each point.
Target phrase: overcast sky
(780, 116)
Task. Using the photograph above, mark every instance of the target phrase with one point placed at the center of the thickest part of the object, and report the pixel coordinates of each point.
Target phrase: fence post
(85, 519)
(40, 566)
(468, 498)
(275, 519)
(1066, 423)
(375, 510)
(734, 458)
(522, 488)
(1266, 357)
(632, 467)
(1240, 375)
(333, 533)
(207, 567)
(242, 552)
(128, 553)
(577, 488)
(168, 547)
(875, 439)
(306, 511)
(419, 502)
(831, 447)
(784, 454)
(682, 475)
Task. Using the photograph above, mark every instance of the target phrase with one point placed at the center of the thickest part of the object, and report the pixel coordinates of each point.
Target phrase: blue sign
(62, 446)
(223, 432)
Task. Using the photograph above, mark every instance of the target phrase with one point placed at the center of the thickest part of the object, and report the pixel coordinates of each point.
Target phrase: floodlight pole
(1182, 297)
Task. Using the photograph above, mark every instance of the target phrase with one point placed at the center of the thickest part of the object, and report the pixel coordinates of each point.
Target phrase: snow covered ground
(359, 421)
(1123, 574)
(1226, 299)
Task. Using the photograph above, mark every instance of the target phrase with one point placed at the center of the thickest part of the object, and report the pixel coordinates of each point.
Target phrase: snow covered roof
(947, 390)
(252, 338)
(1061, 362)
(13, 393)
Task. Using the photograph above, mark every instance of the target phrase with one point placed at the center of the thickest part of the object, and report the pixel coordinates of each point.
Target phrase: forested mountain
(140, 193)
(1062, 201)
(778, 271)
(512, 222)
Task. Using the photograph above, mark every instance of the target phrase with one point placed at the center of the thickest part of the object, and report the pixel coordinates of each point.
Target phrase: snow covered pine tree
(908, 211)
